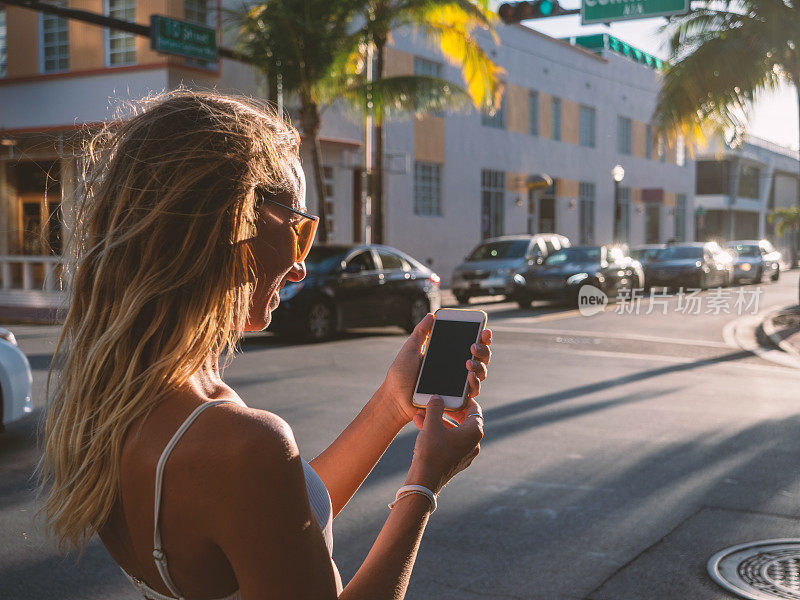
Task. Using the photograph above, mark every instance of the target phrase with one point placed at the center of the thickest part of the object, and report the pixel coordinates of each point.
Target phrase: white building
(738, 187)
(568, 112)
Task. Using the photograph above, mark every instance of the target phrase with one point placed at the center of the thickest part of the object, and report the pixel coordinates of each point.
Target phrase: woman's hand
(402, 376)
(443, 449)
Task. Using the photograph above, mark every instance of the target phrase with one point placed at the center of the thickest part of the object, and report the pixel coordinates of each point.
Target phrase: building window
(428, 68)
(120, 45)
(493, 191)
(329, 181)
(748, 181)
(648, 141)
(713, 177)
(624, 130)
(622, 215)
(3, 59)
(555, 107)
(53, 42)
(662, 149)
(427, 189)
(588, 116)
(533, 113)
(586, 216)
(680, 218)
(498, 119)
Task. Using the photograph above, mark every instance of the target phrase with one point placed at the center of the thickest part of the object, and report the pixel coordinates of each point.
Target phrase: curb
(768, 327)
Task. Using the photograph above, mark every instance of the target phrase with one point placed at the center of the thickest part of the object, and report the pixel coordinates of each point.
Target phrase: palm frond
(713, 87)
(482, 76)
(403, 96)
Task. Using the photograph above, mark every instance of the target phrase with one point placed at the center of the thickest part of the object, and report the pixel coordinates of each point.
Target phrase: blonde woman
(193, 218)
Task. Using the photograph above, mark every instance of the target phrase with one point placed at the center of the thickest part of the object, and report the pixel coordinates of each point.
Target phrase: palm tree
(787, 220)
(300, 41)
(450, 23)
(722, 55)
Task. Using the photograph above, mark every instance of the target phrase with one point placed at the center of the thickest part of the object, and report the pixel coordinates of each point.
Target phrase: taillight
(435, 279)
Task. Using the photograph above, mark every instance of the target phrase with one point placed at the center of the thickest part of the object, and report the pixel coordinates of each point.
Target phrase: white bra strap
(158, 551)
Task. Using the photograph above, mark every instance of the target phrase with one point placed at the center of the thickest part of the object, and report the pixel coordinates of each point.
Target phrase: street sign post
(182, 38)
(606, 11)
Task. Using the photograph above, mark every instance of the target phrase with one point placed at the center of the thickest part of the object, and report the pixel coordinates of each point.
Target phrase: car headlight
(745, 266)
(8, 336)
(519, 280)
(577, 278)
(290, 291)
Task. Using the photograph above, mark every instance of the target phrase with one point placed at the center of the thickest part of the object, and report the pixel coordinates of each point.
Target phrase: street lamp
(618, 174)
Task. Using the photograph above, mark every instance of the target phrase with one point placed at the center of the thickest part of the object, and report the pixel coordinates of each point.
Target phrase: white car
(15, 380)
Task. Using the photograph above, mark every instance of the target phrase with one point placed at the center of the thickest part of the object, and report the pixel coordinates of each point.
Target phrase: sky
(773, 117)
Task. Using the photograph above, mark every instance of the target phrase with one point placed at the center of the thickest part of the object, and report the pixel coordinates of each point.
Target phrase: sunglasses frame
(300, 254)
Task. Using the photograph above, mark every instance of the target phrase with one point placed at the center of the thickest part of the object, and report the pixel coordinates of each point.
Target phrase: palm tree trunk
(378, 203)
(311, 120)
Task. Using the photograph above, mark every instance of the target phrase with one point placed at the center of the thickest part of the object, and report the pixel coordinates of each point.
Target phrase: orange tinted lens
(305, 238)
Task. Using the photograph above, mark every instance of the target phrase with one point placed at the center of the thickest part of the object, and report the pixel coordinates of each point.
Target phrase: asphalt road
(621, 451)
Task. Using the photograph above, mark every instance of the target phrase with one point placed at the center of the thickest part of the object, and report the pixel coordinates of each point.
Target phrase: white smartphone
(444, 365)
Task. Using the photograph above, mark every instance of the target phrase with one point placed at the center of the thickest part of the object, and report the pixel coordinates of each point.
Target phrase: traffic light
(514, 12)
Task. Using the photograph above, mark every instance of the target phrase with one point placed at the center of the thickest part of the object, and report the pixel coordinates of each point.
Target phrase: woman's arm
(345, 464)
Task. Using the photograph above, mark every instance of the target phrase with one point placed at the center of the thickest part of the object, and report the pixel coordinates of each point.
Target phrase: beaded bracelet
(407, 490)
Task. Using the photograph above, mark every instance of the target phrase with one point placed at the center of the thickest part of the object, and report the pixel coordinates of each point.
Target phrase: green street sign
(606, 11)
(171, 36)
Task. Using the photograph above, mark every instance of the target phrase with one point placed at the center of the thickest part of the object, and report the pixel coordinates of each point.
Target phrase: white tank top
(317, 495)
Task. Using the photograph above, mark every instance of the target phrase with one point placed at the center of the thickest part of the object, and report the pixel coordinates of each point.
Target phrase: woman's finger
(477, 367)
(482, 352)
(474, 385)
(486, 336)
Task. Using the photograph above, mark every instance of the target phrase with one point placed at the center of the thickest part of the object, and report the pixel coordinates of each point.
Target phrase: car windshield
(678, 252)
(644, 253)
(323, 260)
(500, 249)
(574, 255)
(747, 249)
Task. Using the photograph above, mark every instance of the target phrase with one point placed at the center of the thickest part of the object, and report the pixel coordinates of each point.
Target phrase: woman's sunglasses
(304, 231)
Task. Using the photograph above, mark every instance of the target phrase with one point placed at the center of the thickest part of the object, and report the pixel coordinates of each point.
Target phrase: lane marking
(612, 335)
(680, 360)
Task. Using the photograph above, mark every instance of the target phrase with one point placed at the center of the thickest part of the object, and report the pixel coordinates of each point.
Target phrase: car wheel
(759, 276)
(320, 324)
(417, 310)
(462, 298)
(728, 279)
(777, 274)
(524, 301)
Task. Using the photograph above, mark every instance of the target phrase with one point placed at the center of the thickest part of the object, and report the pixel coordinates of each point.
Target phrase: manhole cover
(762, 570)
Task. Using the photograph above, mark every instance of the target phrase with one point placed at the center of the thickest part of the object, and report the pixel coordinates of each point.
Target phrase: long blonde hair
(161, 278)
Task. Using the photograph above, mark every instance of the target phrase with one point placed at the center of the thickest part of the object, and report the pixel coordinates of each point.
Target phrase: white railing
(30, 280)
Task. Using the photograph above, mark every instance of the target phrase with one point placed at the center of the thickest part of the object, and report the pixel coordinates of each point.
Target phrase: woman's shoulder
(253, 431)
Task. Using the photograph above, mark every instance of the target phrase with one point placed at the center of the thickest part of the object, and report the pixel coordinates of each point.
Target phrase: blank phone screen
(445, 370)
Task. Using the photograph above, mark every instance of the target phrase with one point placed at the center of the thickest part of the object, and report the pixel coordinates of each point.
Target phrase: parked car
(15, 380)
(356, 286)
(753, 259)
(490, 268)
(690, 265)
(563, 273)
(646, 252)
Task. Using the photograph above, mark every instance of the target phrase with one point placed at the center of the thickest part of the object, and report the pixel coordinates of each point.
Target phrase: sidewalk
(782, 327)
